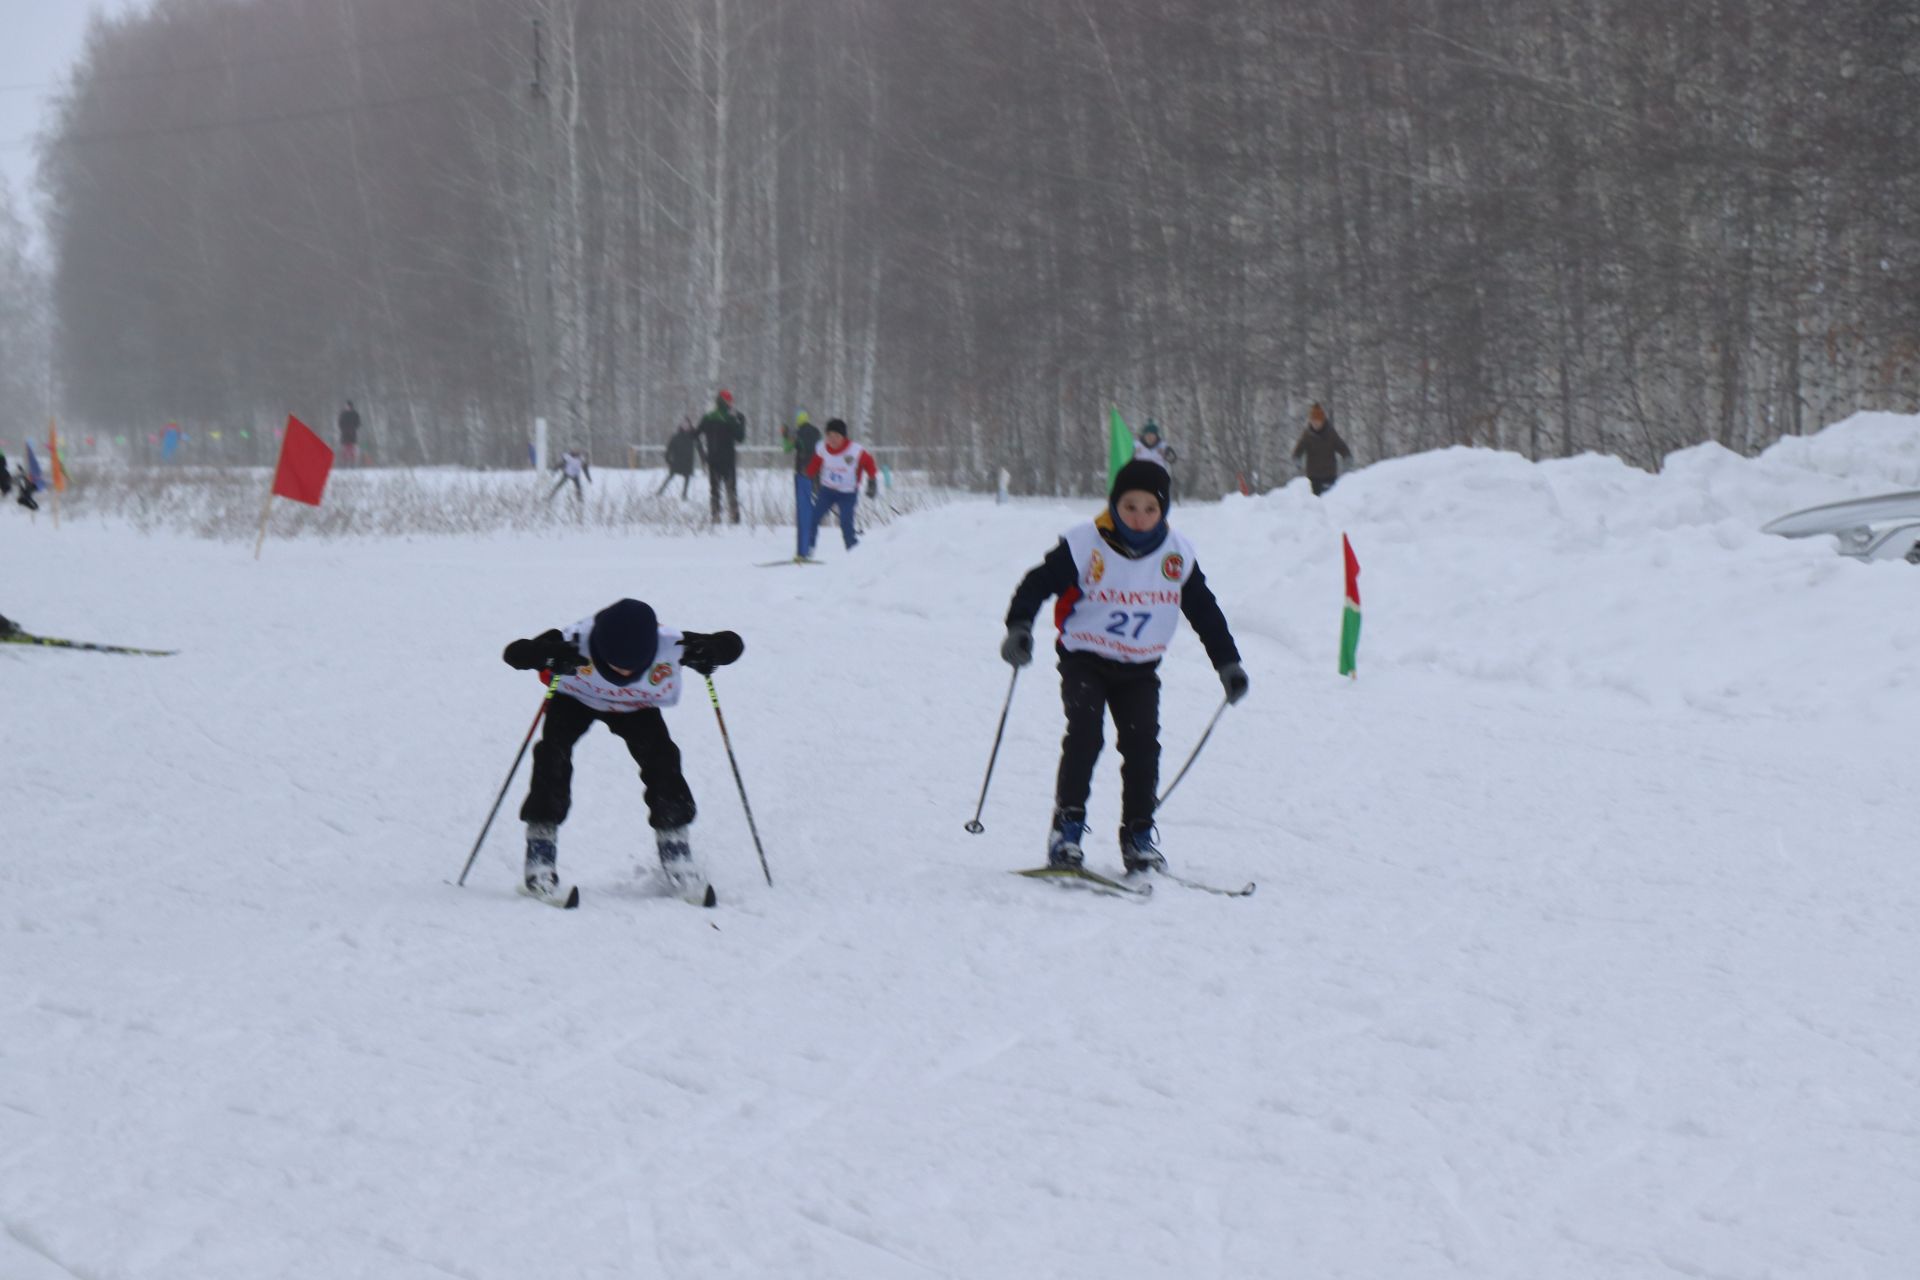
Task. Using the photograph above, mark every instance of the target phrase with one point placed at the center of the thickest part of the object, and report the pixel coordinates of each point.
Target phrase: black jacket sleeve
(1056, 575)
(1204, 616)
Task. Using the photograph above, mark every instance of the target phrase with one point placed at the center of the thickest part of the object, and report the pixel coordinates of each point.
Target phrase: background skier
(838, 464)
(804, 441)
(572, 466)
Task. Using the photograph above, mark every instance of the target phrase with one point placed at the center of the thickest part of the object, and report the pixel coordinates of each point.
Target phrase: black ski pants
(669, 800)
(728, 479)
(1090, 687)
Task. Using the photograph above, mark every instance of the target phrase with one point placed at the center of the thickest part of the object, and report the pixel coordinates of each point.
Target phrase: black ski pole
(1195, 756)
(974, 827)
(553, 684)
(728, 743)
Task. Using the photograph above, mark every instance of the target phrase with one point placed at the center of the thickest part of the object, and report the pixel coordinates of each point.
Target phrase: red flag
(304, 463)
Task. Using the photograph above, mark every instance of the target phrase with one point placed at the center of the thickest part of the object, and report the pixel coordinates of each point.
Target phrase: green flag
(1119, 446)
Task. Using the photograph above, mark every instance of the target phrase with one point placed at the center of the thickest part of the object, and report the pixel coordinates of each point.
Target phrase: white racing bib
(659, 687)
(1123, 609)
(840, 471)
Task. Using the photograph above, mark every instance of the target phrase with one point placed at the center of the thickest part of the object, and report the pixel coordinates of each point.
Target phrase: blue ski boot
(543, 851)
(1063, 842)
(683, 875)
(1139, 849)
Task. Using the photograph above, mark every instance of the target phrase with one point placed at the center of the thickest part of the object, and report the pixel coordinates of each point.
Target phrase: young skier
(621, 667)
(838, 464)
(1123, 579)
(572, 465)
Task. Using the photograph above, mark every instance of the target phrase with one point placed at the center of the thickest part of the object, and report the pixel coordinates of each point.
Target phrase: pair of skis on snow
(1131, 886)
(567, 896)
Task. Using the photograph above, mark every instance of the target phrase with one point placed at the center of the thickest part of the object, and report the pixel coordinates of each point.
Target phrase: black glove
(550, 651)
(1233, 678)
(703, 652)
(873, 486)
(1017, 648)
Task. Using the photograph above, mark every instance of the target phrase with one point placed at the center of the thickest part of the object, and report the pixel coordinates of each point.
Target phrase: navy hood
(625, 634)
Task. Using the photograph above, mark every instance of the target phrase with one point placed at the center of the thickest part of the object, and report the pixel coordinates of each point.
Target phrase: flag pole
(266, 509)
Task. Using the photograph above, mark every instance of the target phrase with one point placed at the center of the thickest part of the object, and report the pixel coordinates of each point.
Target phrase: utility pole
(542, 254)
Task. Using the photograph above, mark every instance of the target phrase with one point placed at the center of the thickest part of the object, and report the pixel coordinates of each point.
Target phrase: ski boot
(1139, 850)
(683, 876)
(543, 851)
(1063, 842)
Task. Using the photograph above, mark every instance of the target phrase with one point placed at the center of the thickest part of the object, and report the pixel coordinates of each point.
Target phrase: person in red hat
(721, 432)
(1321, 449)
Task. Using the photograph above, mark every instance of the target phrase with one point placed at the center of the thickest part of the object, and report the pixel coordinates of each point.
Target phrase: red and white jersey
(1122, 609)
(840, 472)
(659, 687)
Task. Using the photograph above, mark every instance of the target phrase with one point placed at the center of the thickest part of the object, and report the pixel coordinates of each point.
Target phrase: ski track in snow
(1583, 947)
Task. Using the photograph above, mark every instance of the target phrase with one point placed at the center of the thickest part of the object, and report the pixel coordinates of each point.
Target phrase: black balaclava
(1148, 477)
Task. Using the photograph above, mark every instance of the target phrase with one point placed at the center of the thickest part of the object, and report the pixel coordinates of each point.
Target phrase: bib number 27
(1118, 620)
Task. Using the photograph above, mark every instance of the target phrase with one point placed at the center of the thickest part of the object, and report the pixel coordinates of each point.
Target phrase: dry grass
(224, 503)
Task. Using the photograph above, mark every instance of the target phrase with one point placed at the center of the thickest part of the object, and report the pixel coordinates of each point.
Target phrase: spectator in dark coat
(350, 435)
(680, 451)
(721, 432)
(1322, 448)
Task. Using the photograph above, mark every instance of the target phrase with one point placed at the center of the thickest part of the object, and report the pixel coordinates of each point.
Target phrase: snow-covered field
(1584, 946)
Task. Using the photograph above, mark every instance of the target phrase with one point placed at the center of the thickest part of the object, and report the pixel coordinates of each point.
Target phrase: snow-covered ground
(1584, 946)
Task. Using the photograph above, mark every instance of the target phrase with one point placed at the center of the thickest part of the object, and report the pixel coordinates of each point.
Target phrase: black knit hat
(625, 634)
(835, 424)
(1148, 477)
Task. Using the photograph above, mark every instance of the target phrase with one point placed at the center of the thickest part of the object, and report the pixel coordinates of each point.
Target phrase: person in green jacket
(721, 431)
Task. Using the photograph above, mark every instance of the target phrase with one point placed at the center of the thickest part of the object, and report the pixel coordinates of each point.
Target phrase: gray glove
(1233, 678)
(1017, 648)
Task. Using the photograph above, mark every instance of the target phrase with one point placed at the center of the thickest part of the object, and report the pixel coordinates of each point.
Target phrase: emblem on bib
(661, 670)
(1097, 569)
(1172, 566)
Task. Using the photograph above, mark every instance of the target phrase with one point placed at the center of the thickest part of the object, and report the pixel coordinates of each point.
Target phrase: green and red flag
(1119, 445)
(1350, 618)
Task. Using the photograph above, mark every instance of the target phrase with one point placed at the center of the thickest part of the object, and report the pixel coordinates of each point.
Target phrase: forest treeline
(1619, 225)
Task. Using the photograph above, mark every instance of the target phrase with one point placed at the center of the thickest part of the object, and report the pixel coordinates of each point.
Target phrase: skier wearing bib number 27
(1123, 579)
(620, 667)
